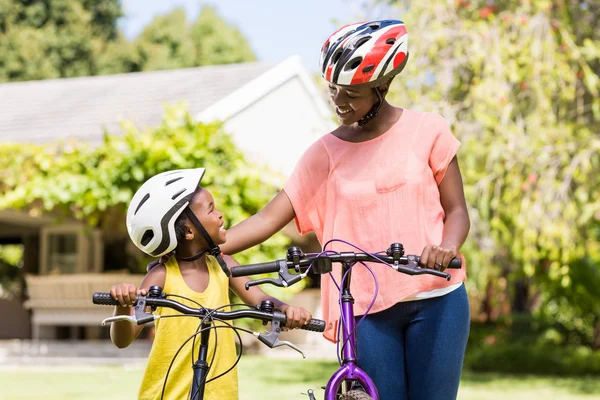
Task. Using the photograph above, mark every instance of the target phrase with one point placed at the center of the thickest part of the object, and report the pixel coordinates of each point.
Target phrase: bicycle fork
(201, 366)
(349, 372)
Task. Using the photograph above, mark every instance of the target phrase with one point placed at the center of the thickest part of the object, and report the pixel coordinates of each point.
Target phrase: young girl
(169, 212)
(385, 175)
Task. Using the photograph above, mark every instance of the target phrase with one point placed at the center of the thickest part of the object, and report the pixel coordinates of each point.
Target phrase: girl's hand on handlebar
(438, 257)
(296, 316)
(126, 293)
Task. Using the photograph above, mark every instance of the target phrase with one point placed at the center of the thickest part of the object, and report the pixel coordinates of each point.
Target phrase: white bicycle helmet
(155, 207)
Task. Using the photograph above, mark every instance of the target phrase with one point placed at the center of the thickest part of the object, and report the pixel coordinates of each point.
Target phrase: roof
(47, 110)
(250, 93)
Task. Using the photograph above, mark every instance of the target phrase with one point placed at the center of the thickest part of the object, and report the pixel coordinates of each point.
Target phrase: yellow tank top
(171, 333)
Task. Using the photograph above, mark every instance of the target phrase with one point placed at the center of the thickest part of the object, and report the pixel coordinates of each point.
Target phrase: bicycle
(156, 298)
(344, 383)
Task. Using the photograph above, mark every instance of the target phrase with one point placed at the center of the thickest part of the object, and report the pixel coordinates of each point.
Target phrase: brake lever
(414, 268)
(285, 279)
(131, 319)
(271, 339)
(289, 344)
(276, 282)
(116, 318)
(140, 311)
(140, 316)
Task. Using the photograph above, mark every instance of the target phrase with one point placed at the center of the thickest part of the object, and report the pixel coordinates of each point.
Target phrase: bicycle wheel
(355, 395)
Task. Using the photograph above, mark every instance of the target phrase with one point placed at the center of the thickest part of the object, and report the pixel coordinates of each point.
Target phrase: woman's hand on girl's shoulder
(159, 261)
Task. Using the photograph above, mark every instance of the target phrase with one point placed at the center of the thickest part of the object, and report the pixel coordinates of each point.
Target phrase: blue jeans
(415, 350)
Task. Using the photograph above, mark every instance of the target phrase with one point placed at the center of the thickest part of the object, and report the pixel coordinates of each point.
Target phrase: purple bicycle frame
(349, 371)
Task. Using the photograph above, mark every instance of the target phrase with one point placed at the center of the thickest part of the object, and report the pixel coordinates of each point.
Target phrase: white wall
(280, 126)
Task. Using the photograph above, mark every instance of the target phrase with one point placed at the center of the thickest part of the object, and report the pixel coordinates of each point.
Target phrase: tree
(519, 81)
(11, 262)
(165, 43)
(217, 42)
(54, 38)
(169, 42)
(68, 38)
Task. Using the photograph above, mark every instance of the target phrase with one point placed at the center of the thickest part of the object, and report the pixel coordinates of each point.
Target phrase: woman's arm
(261, 226)
(456, 222)
(452, 196)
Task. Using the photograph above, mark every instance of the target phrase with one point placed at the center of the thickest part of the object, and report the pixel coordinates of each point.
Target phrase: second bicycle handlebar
(315, 325)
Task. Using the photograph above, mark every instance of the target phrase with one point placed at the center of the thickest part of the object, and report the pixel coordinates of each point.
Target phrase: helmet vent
(368, 68)
(146, 197)
(391, 41)
(336, 56)
(148, 235)
(362, 41)
(353, 64)
(173, 181)
(374, 26)
(176, 195)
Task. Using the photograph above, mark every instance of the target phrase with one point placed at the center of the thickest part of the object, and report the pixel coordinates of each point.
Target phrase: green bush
(523, 358)
(525, 346)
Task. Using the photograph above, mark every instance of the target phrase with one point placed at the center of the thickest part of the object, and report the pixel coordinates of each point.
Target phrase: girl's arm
(123, 333)
(296, 316)
(456, 223)
(261, 226)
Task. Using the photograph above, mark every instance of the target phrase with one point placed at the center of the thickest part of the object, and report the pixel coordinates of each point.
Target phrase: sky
(276, 29)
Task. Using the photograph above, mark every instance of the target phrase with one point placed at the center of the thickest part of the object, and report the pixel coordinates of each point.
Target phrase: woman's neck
(386, 118)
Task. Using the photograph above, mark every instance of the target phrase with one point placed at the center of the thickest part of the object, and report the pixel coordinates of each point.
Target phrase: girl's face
(352, 102)
(203, 206)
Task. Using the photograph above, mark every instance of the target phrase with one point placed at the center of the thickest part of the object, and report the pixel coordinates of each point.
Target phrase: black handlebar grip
(104, 299)
(255, 269)
(456, 263)
(315, 325)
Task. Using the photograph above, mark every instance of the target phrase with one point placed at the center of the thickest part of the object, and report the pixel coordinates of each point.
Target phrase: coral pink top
(371, 194)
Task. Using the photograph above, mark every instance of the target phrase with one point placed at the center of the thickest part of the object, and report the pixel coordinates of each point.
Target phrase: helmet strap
(194, 258)
(213, 249)
(373, 111)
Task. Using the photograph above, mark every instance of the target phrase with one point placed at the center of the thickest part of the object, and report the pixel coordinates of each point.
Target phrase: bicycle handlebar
(315, 325)
(273, 266)
(296, 259)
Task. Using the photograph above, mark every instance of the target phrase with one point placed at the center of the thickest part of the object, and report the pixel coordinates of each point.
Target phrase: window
(62, 253)
(70, 249)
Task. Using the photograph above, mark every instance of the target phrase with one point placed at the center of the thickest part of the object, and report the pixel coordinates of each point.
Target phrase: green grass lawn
(267, 379)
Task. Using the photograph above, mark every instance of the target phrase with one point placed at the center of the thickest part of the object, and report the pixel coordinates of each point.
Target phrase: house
(273, 112)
